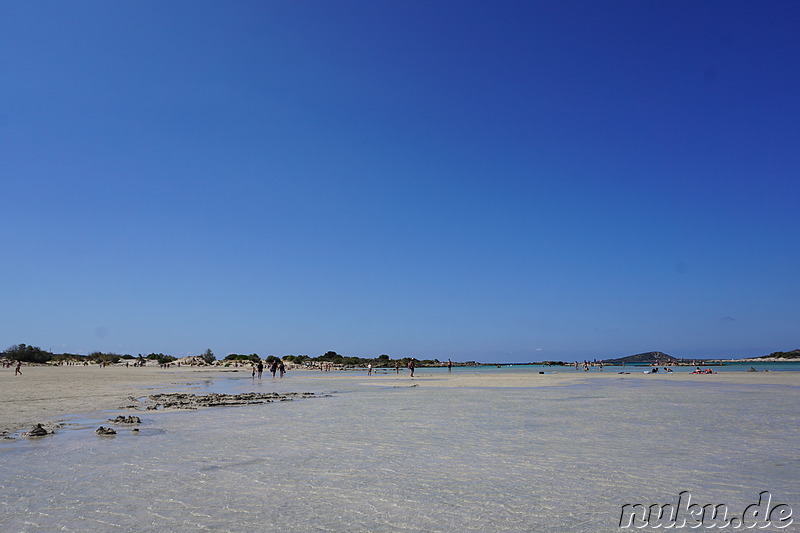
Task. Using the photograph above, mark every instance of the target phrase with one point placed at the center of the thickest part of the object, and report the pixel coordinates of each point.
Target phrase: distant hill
(774, 357)
(645, 358)
(794, 354)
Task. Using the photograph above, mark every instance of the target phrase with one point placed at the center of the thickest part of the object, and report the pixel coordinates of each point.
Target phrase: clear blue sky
(497, 181)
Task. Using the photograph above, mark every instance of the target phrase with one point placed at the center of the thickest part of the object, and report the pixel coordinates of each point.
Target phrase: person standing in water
(449, 365)
(273, 367)
(281, 367)
(411, 366)
(260, 370)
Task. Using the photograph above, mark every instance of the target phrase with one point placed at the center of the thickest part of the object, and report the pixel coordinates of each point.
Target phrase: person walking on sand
(411, 366)
(18, 371)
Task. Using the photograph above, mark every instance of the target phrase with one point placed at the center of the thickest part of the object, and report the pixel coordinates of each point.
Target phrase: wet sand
(562, 377)
(44, 393)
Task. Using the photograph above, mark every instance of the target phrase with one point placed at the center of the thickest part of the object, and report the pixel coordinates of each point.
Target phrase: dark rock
(192, 401)
(105, 431)
(126, 420)
(37, 431)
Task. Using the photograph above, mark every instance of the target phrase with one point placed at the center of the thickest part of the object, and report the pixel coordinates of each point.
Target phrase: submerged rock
(126, 420)
(37, 431)
(193, 401)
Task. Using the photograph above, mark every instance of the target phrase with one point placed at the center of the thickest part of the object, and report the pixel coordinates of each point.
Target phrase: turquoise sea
(717, 367)
(393, 457)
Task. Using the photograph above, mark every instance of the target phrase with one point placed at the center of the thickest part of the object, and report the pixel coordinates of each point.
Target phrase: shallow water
(515, 368)
(375, 458)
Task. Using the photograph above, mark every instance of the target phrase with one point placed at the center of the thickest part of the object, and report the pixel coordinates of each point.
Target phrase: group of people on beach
(587, 364)
(275, 367)
(412, 365)
(17, 369)
(667, 369)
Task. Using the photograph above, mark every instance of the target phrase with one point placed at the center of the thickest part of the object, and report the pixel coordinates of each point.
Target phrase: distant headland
(774, 357)
(649, 358)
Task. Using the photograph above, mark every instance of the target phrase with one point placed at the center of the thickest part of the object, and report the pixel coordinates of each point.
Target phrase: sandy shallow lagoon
(450, 453)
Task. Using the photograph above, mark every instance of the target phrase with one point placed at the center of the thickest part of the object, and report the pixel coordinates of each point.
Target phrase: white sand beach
(47, 392)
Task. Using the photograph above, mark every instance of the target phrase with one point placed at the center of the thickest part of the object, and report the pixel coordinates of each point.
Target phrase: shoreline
(760, 360)
(45, 393)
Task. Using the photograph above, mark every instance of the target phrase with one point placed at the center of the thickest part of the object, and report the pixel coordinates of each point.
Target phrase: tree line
(794, 354)
(34, 354)
(332, 357)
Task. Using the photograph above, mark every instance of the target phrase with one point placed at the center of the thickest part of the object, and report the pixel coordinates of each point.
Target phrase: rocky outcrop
(193, 401)
(125, 420)
(105, 431)
(192, 360)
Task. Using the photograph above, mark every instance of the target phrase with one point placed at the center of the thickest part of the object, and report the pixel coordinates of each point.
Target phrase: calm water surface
(410, 459)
